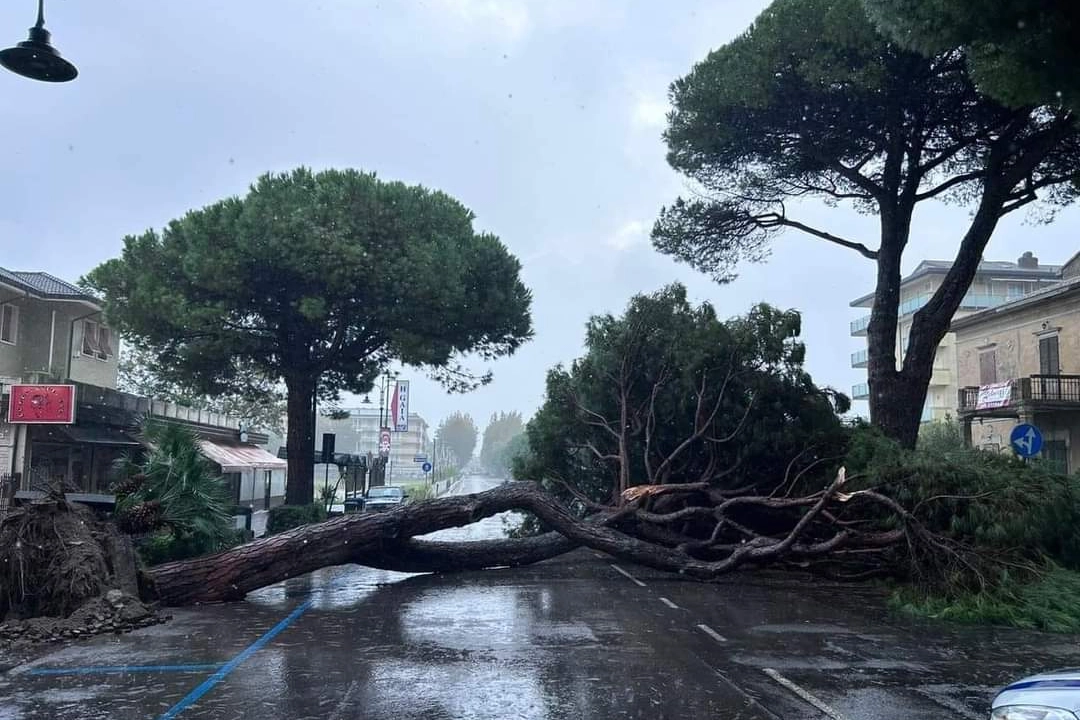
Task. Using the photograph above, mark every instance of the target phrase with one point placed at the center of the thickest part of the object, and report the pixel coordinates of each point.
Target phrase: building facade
(52, 332)
(1019, 362)
(996, 283)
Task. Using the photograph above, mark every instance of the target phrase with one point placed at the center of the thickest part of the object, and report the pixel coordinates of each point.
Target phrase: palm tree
(175, 488)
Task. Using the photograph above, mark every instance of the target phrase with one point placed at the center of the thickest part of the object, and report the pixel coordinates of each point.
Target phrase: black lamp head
(35, 58)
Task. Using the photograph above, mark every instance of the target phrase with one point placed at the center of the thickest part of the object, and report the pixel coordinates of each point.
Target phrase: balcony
(859, 359)
(860, 391)
(858, 326)
(1037, 393)
(974, 301)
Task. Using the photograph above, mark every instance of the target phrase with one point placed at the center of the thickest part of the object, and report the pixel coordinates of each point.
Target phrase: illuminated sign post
(399, 407)
(41, 404)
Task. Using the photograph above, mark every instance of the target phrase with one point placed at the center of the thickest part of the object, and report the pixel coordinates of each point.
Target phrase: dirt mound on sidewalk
(65, 573)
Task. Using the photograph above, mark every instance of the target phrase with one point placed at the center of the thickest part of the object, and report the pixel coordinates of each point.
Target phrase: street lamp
(35, 58)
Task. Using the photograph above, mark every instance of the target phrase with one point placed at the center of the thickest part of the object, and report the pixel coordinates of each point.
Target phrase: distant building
(358, 434)
(995, 283)
(1019, 362)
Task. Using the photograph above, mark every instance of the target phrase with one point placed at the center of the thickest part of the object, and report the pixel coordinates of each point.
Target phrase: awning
(97, 435)
(237, 457)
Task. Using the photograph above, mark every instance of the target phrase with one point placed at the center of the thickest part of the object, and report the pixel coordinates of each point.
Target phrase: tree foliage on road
(1023, 52)
(260, 404)
(495, 449)
(319, 280)
(813, 102)
(669, 393)
(459, 433)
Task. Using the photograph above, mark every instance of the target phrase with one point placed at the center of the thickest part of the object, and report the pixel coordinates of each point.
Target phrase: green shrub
(287, 517)
(1045, 603)
(163, 547)
(986, 499)
(419, 491)
(1016, 522)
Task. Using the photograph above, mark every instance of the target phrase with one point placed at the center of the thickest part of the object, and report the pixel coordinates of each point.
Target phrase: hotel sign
(41, 404)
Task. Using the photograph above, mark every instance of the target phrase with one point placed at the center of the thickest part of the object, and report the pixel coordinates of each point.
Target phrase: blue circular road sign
(426, 467)
(1026, 440)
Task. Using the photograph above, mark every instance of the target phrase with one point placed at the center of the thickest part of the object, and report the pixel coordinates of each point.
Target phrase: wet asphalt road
(574, 637)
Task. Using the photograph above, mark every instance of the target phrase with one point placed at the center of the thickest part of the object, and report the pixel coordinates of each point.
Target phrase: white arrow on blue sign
(1026, 440)
(426, 467)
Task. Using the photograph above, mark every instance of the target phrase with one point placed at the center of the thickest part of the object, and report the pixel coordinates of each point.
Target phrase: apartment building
(1019, 362)
(996, 283)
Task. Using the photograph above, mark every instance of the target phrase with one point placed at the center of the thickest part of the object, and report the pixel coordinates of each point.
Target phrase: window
(9, 324)
(1015, 290)
(104, 343)
(988, 367)
(96, 340)
(89, 338)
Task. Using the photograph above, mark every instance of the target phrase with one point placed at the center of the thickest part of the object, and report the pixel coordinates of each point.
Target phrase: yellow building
(1020, 363)
(996, 283)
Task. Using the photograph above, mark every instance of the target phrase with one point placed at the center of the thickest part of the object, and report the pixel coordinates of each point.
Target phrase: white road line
(950, 704)
(347, 706)
(623, 572)
(670, 604)
(712, 633)
(805, 695)
(600, 555)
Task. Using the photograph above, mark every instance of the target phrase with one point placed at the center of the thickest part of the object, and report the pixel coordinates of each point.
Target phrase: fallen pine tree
(629, 532)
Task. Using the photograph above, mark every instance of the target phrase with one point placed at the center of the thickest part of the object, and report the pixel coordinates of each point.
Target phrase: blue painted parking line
(121, 669)
(207, 685)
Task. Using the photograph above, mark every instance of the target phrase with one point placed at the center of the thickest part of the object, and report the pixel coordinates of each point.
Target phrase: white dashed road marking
(805, 695)
(712, 633)
(670, 604)
(623, 572)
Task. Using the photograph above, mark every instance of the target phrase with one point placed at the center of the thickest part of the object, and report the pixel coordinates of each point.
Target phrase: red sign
(43, 404)
(384, 442)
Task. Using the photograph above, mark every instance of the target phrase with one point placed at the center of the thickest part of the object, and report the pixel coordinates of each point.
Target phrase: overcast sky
(543, 117)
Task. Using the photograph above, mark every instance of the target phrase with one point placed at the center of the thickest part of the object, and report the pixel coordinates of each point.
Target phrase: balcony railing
(858, 326)
(860, 391)
(971, 301)
(1045, 390)
(859, 358)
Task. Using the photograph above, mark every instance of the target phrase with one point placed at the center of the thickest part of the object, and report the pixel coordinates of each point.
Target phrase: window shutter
(1049, 358)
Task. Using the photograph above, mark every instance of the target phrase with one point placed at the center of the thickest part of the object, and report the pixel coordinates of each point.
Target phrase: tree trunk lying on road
(386, 540)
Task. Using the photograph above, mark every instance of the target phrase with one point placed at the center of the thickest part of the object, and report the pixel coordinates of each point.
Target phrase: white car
(1047, 696)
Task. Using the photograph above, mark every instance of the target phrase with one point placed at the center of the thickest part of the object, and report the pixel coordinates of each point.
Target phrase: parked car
(1047, 696)
(382, 498)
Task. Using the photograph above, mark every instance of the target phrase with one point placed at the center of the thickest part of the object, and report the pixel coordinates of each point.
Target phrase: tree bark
(896, 398)
(384, 540)
(300, 441)
(378, 540)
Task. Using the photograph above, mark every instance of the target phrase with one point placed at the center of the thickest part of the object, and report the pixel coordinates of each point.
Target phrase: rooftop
(1027, 267)
(45, 286)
